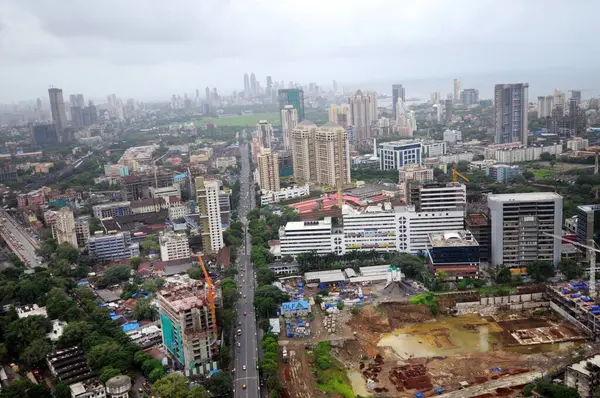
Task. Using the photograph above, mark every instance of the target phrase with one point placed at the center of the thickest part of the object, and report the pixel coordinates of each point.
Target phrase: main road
(246, 344)
(19, 240)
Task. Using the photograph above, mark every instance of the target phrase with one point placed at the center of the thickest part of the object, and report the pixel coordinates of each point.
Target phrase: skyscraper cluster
(363, 114)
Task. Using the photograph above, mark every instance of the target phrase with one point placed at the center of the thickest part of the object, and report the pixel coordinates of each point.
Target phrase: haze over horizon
(101, 47)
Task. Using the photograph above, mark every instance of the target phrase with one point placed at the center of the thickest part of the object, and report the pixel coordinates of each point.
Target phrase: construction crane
(456, 174)
(592, 253)
(212, 293)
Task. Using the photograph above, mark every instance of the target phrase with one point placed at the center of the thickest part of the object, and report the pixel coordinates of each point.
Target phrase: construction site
(398, 349)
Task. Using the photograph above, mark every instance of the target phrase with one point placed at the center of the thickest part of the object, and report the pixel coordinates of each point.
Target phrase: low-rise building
(584, 376)
(578, 144)
(456, 253)
(503, 172)
(174, 246)
(118, 386)
(225, 162)
(88, 389)
(270, 197)
(166, 192)
(113, 246)
(69, 365)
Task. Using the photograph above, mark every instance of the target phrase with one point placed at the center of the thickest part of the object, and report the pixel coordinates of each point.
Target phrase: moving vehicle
(239, 332)
(245, 313)
(243, 386)
(244, 367)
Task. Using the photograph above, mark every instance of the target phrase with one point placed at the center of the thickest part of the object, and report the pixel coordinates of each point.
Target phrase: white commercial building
(578, 144)
(521, 225)
(452, 136)
(522, 154)
(174, 246)
(432, 149)
(178, 211)
(269, 197)
(63, 229)
(396, 154)
(382, 228)
(166, 192)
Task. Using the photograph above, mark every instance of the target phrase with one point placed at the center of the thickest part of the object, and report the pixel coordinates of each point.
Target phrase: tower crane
(592, 253)
(456, 174)
(212, 293)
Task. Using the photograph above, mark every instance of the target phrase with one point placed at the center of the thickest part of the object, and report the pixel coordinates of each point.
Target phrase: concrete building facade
(521, 225)
(510, 112)
(174, 246)
(268, 170)
(207, 196)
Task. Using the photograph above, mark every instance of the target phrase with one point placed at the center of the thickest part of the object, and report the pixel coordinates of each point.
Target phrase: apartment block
(117, 246)
(510, 112)
(264, 132)
(82, 230)
(437, 196)
(174, 246)
(187, 324)
(268, 170)
(207, 196)
(114, 209)
(521, 225)
(63, 229)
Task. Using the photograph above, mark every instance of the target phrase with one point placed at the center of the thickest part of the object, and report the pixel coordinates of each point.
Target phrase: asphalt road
(246, 354)
(18, 239)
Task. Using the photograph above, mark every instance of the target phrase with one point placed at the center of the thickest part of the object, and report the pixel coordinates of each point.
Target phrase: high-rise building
(448, 107)
(268, 170)
(174, 246)
(545, 106)
(456, 96)
(335, 87)
(264, 132)
(247, 93)
(521, 225)
(44, 134)
(343, 115)
(293, 97)
(588, 227)
(82, 230)
(363, 114)
(469, 96)
(77, 117)
(253, 85)
(435, 97)
(560, 99)
(437, 196)
(316, 153)
(510, 112)
(398, 93)
(576, 96)
(79, 101)
(333, 113)
(63, 230)
(57, 108)
(289, 121)
(207, 197)
(207, 94)
(187, 327)
(269, 92)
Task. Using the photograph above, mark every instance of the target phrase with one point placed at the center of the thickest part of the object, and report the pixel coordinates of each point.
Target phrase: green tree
(117, 274)
(74, 333)
(570, 268)
(68, 252)
(35, 353)
(220, 384)
(172, 385)
(540, 270)
(150, 244)
(195, 273)
(198, 392)
(145, 310)
(135, 262)
(24, 388)
(58, 303)
(107, 373)
(267, 298)
(23, 331)
(501, 274)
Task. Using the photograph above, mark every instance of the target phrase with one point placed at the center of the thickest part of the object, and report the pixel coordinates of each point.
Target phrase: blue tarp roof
(130, 326)
(83, 283)
(115, 317)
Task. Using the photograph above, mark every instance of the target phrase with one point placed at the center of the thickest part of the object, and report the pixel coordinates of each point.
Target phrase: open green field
(541, 174)
(243, 121)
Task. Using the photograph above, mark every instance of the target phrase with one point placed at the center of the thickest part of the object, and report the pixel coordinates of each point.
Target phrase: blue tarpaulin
(212, 372)
(130, 326)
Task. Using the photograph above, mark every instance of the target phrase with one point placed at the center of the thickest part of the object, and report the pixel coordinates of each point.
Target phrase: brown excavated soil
(401, 313)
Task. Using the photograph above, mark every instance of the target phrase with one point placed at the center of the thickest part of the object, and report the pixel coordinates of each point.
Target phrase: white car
(244, 367)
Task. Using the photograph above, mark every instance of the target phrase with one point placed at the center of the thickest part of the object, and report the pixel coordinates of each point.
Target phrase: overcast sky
(149, 49)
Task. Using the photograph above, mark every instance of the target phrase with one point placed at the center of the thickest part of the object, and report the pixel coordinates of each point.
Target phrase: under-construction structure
(584, 376)
(189, 330)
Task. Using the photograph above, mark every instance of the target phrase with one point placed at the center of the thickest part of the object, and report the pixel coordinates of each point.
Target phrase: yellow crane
(212, 293)
(456, 174)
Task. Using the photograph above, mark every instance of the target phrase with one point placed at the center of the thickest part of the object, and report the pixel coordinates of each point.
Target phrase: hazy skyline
(152, 49)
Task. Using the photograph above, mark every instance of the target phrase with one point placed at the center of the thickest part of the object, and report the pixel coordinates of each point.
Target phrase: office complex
(383, 228)
(63, 229)
(289, 121)
(264, 132)
(207, 196)
(114, 246)
(396, 154)
(521, 227)
(174, 246)
(187, 324)
(510, 112)
(321, 154)
(479, 225)
(469, 96)
(57, 108)
(268, 170)
(293, 97)
(437, 196)
(588, 226)
(398, 94)
(363, 114)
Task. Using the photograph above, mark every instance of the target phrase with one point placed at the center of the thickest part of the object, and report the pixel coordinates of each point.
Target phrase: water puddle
(359, 384)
